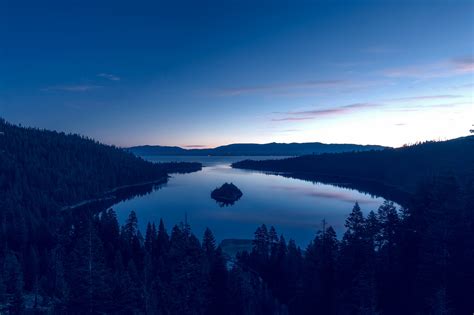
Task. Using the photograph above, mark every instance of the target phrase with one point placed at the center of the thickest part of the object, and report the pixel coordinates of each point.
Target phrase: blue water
(296, 208)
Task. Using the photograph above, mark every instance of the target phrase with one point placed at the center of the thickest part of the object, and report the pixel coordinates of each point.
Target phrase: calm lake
(295, 207)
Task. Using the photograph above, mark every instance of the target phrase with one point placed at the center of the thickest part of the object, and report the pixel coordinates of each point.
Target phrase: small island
(227, 194)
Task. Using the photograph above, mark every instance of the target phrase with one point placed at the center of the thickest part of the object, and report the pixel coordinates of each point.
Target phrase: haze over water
(295, 207)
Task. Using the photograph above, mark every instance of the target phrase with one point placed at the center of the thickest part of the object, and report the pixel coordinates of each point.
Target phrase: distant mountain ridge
(253, 149)
(404, 168)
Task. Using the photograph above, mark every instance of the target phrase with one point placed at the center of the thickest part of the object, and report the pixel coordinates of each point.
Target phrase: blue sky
(206, 73)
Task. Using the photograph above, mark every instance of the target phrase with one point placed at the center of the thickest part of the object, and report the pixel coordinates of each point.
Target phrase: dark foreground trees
(409, 261)
(161, 273)
(394, 261)
(414, 261)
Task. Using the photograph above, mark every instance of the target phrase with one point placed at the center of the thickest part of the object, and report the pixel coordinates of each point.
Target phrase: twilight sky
(207, 73)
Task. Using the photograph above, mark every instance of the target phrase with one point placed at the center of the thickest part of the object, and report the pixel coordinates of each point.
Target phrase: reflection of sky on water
(295, 207)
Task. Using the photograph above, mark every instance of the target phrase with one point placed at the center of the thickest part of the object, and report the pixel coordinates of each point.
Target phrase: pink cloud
(316, 113)
(464, 64)
(292, 118)
(195, 146)
(424, 97)
(283, 87)
(444, 68)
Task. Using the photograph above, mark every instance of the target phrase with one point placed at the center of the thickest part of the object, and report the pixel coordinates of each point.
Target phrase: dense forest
(415, 260)
(394, 261)
(41, 172)
(403, 168)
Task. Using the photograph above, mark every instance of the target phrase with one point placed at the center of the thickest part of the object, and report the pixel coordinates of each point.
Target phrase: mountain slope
(42, 171)
(403, 167)
(252, 149)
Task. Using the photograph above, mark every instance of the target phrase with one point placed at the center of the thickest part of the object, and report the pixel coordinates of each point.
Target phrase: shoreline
(108, 195)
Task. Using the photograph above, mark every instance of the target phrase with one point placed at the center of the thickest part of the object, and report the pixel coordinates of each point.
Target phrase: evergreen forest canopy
(42, 171)
(416, 260)
(403, 168)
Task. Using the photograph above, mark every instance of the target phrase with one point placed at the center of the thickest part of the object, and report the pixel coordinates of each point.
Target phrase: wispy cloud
(283, 87)
(424, 97)
(416, 108)
(303, 88)
(444, 68)
(464, 86)
(195, 146)
(290, 130)
(109, 76)
(335, 110)
(72, 88)
(316, 113)
(464, 64)
(447, 105)
(292, 118)
(428, 71)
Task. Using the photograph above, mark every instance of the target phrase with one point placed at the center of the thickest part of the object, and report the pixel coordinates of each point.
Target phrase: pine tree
(217, 298)
(273, 240)
(389, 273)
(149, 238)
(261, 243)
(162, 240)
(209, 243)
(85, 270)
(355, 224)
(372, 229)
(320, 281)
(130, 229)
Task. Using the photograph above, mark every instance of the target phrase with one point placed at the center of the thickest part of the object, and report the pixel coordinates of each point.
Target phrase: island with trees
(412, 260)
(227, 194)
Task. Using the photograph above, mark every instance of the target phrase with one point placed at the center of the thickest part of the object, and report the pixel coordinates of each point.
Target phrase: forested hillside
(254, 149)
(392, 261)
(403, 167)
(416, 260)
(42, 171)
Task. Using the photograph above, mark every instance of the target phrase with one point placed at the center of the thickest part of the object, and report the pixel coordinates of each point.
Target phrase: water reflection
(295, 207)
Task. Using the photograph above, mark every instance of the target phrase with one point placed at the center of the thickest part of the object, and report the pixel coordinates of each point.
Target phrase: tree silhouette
(415, 261)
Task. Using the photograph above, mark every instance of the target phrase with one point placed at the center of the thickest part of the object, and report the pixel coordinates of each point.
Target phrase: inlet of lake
(296, 208)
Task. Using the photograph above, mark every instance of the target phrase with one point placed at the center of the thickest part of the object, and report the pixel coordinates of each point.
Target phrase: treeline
(43, 171)
(47, 169)
(100, 268)
(253, 149)
(403, 168)
(394, 261)
(416, 260)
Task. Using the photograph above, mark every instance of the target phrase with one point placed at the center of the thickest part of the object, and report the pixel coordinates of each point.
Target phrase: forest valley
(413, 260)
